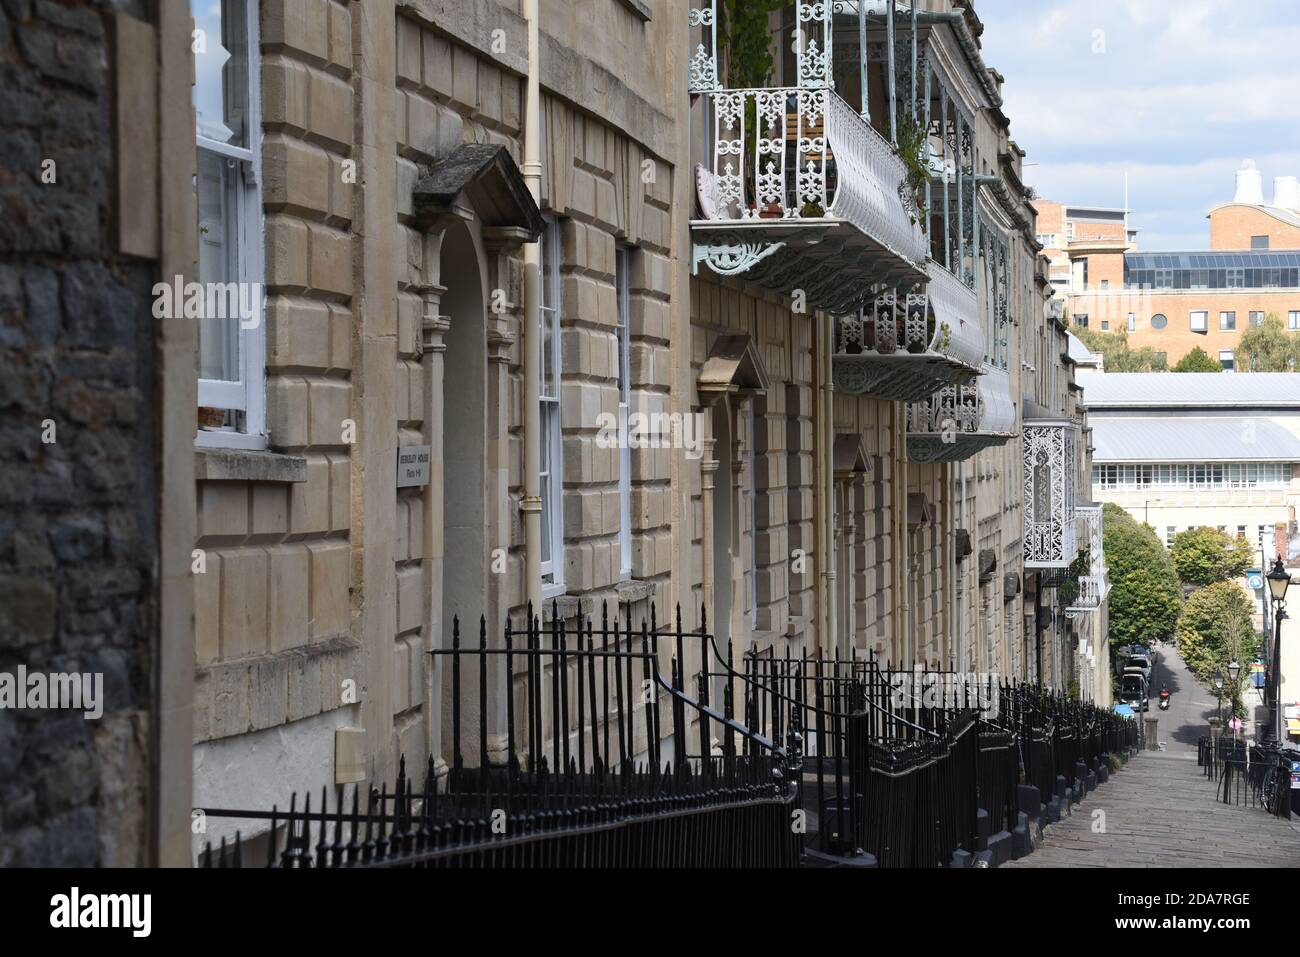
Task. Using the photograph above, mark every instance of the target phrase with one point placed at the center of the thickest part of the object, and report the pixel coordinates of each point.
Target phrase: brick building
(1174, 302)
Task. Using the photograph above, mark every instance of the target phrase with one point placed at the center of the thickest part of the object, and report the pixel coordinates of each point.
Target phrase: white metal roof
(1191, 439)
(1192, 390)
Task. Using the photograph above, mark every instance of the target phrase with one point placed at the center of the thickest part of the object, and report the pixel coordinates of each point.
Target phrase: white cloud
(1183, 92)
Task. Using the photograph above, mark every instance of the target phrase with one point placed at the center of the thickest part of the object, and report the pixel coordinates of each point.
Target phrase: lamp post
(1218, 693)
(1278, 581)
(1234, 669)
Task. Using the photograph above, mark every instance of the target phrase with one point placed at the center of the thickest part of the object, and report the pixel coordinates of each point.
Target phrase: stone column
(433, 332)
(739, 625)
(708, 473)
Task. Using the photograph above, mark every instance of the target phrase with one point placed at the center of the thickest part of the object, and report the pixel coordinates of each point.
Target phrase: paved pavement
(1160, 811)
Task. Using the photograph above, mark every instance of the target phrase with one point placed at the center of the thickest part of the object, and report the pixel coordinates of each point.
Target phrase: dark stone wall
(78, 516)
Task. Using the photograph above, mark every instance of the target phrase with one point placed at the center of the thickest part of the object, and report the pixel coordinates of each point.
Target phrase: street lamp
(1218, 693)
(1278, 581)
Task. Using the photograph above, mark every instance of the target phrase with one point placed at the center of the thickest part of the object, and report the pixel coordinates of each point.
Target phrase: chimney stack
(1250, 185)
(1286, 192)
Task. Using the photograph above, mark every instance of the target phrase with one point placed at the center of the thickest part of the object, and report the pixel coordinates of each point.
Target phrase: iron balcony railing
(1051, 539)
(961, 420)
(907, 346)
(797, 190)
(1094, 584)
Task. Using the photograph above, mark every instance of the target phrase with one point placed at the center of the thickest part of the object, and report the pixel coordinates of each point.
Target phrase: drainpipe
(909, 631)
(532, 171)
(828, 489)
(824, 558)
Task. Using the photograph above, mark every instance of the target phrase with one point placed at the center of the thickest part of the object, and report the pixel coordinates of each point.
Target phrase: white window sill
(226, 439)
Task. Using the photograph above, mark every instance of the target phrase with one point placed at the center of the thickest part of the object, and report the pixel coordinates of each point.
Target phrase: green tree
(1198, 360)
(1215, 630)
(1206, 555)
(1145, 595)
(1116, 354)
(1268, 347)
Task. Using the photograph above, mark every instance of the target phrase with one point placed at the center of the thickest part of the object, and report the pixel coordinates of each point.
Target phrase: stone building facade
(474, 250)
(96, 520)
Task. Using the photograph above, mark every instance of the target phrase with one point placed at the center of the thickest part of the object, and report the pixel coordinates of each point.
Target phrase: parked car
(1141, 663)
(1133, 690)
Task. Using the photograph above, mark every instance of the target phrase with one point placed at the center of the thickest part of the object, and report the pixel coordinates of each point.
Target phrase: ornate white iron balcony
(1095, 585)
(907, 346)
(1051, 495)
(960, 420)
(801, 193)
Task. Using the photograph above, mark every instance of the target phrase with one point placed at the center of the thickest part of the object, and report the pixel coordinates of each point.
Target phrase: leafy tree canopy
(1198, 360)
(1268, 347)
(1215, 630)
(1116, 354)
(1145, 595)
(1205, 555)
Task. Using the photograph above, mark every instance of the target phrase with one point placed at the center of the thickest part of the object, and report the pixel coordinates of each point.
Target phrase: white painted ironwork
(791, 154)
(960, 420)
(907, 346)
(1050, 493)
(1094, 586)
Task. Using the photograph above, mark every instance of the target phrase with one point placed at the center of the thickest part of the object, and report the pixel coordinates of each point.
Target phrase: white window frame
(1228, 359)
(1228, 321)
(248, 393)
(1293, 319)
(1204, 320)
(1132, 322)
(623, 344)
(552, 427)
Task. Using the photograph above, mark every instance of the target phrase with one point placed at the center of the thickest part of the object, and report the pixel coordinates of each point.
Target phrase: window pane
(218, 209)
(221, 70)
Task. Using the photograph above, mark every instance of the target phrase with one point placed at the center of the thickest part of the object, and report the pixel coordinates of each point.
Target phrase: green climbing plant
(912, 148)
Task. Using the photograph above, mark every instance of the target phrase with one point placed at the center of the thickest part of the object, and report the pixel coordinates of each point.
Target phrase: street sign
(1255, 579)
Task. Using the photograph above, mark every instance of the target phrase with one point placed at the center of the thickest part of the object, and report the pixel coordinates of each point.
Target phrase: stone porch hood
(961, 420)
(482, 177)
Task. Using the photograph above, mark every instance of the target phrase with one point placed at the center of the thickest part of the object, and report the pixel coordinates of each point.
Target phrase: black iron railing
(566, 747)
(1250, 775)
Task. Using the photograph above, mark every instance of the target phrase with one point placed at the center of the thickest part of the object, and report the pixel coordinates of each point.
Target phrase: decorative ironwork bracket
(729, 255)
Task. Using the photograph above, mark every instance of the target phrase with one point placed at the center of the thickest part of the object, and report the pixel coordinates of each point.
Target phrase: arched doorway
(723, 511)
(464, 409)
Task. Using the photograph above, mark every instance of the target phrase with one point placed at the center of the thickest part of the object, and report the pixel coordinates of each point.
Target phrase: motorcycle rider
(1164, 698)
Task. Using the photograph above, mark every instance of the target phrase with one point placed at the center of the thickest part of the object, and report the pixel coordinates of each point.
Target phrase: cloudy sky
(1177, 93)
